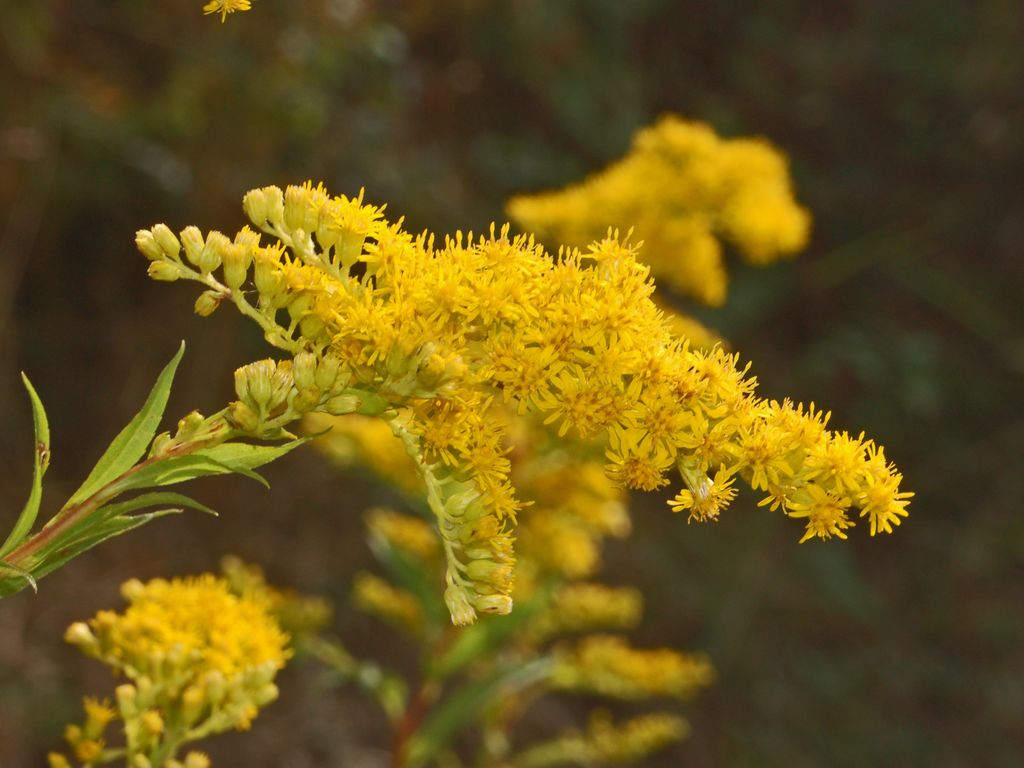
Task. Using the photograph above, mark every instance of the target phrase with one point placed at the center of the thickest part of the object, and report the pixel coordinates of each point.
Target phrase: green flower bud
(343, 404)
(210, 257)
(295, 203)
(237, 259)
(167, 241)
(193, 241)
(260, 375)
(275, 205)
(164, 270)
(147, 244)
(459, 606)
(127, 697)
(496, 604)
(304, 367)
(327, 373)
(256, 206)
(243, 417)
(79, 635)
(207, 303)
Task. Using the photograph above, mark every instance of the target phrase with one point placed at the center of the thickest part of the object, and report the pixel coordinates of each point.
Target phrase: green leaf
(153, 499)
(227, 458)
(22, 574)
(468, 704)
(27, 518)
(131, 443)
(62, 551)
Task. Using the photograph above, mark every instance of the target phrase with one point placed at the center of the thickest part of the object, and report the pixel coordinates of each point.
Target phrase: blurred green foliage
(905, 127)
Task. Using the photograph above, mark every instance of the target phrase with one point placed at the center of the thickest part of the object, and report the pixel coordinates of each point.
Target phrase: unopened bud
(275, 205)
(210, 256)
(296, 199)
(304, 367)
(132, 589)
(79, 634)
(207, 303)
(237, 259)
(167, 241)
(458, 606)
(193, 241)
(126, 696)
(327, 372)
(243, 417)
(147, 244)
(153, 722)
(496, 604)
(196, 760)
(255, 205)
(164, 270)
(343, 404)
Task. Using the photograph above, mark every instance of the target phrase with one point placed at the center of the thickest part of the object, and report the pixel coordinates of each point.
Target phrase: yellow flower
(607, 665)
(431, 338)
(681, 189)
(224, 7)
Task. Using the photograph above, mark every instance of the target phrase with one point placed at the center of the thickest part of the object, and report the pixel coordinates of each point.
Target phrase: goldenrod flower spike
(431, 336)
(224, 7)
(198, 660)
(683, 190)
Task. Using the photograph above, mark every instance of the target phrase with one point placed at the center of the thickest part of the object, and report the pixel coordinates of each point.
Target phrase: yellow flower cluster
(429, 336)
(380, 598)
(608, 743)
(298, 616)
(200, 659)
(224, 7)
(585, 606)
(607, 665)
(681, 189)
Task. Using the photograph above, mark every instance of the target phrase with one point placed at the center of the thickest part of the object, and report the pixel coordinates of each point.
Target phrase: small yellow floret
(224, 7)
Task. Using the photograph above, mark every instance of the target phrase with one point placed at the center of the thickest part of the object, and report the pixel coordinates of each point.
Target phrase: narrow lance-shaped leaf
(131, 443)
(27, 518)
(233, 458)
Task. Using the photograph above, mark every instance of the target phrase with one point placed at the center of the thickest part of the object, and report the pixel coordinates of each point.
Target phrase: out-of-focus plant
(200, 655)
(683, 191)
(138, 462)
(486, 677)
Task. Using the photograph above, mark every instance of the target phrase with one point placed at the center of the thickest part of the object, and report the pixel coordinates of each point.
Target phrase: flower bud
(132, 589)
(153, 722)
(458, 606)
(167, 241)
(256, 206)
(126, 696)
(79, 634)
(327, 373)
(193, 241)
(210, 256)
(496, 604)
(147, 244)
(275, 205)
(296, 200)
(237, 259)
(196, 760)
(304, 367)
(207, 303)
(343, 404)
(496, 574)
(164, 270)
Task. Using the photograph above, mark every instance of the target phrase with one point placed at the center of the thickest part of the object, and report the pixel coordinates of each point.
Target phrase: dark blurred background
(905, 126)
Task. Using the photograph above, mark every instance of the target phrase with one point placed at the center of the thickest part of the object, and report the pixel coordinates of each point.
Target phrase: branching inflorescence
(684, 191)
(431, 335)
